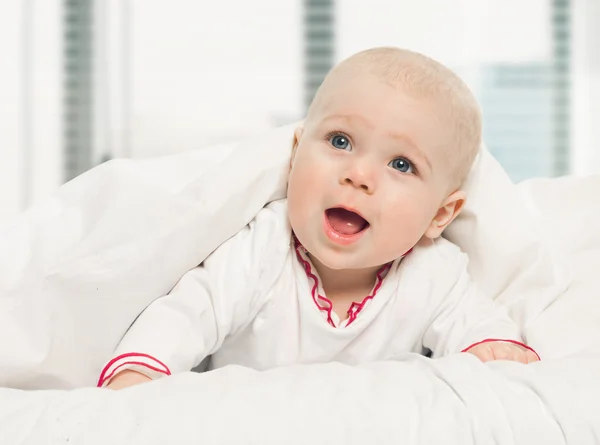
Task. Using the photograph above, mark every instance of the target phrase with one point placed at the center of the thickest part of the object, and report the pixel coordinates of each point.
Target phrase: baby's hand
(127, 378)
(501, 350)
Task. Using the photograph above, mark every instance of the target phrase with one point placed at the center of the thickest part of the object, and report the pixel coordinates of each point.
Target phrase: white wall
(458, 33)
(170, 76)
(10, 112)
(208, 72)
(586, 87)
(30, 102)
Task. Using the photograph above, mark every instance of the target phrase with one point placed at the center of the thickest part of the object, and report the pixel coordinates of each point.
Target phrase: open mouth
(346, 222)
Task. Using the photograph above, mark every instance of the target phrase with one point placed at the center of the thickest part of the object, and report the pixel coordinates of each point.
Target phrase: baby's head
(379, 162)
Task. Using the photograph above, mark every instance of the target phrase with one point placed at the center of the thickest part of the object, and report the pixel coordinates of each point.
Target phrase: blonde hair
(425, 78)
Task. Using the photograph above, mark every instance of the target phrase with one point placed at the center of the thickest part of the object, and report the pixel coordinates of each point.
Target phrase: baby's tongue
(346, 222)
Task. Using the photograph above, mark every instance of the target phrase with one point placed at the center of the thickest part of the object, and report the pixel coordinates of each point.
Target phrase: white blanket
(77, 269)
(456, 400)
(62, 339)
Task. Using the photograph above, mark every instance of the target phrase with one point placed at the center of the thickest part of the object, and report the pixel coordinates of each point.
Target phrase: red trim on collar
(315, 287)
(355, 308)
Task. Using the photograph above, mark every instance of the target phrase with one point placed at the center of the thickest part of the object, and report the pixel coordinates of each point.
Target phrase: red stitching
(110, 376)
(488, 340)
(102, 378)
(351, 313)
(313, 291)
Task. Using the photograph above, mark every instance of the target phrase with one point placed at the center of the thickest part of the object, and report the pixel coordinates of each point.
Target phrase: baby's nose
(362, 185)
(361, 177)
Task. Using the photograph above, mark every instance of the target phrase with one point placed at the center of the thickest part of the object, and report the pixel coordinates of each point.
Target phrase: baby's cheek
(298, 209)
(303, 190)
(297, 198)
(401, 227)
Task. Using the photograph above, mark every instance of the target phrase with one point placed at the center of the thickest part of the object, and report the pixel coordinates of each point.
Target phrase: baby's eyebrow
(348, 119)
(405, 140)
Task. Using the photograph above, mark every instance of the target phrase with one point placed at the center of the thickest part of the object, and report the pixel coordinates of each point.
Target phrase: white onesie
(257, 302)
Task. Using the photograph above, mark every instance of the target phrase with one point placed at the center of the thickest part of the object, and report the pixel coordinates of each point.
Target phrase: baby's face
(368, 174)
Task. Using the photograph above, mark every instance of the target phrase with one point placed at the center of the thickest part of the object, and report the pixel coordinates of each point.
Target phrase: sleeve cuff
(515, 342)
(142, 363)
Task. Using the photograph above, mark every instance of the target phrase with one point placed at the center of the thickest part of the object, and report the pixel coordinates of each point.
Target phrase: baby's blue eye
(402, 165)
(340, 142)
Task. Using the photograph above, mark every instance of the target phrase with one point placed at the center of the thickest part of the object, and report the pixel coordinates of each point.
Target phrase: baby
(351, 267)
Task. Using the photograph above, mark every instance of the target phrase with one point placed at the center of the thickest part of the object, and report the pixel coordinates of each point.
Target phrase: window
(94, 80)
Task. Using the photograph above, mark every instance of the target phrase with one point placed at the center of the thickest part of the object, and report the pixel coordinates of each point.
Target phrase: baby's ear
(446, 214)
(297, 135)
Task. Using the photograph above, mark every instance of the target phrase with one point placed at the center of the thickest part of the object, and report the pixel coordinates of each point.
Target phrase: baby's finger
(483, 352)
(503, 351)
(520, 355)
(531, 356)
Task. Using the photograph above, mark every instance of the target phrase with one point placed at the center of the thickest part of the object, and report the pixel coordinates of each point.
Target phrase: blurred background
(83, 81)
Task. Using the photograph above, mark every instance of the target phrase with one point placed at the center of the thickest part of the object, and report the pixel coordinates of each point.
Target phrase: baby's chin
(347, 261)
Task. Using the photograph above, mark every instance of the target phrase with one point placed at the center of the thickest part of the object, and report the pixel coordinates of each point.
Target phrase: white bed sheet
(455, 400)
